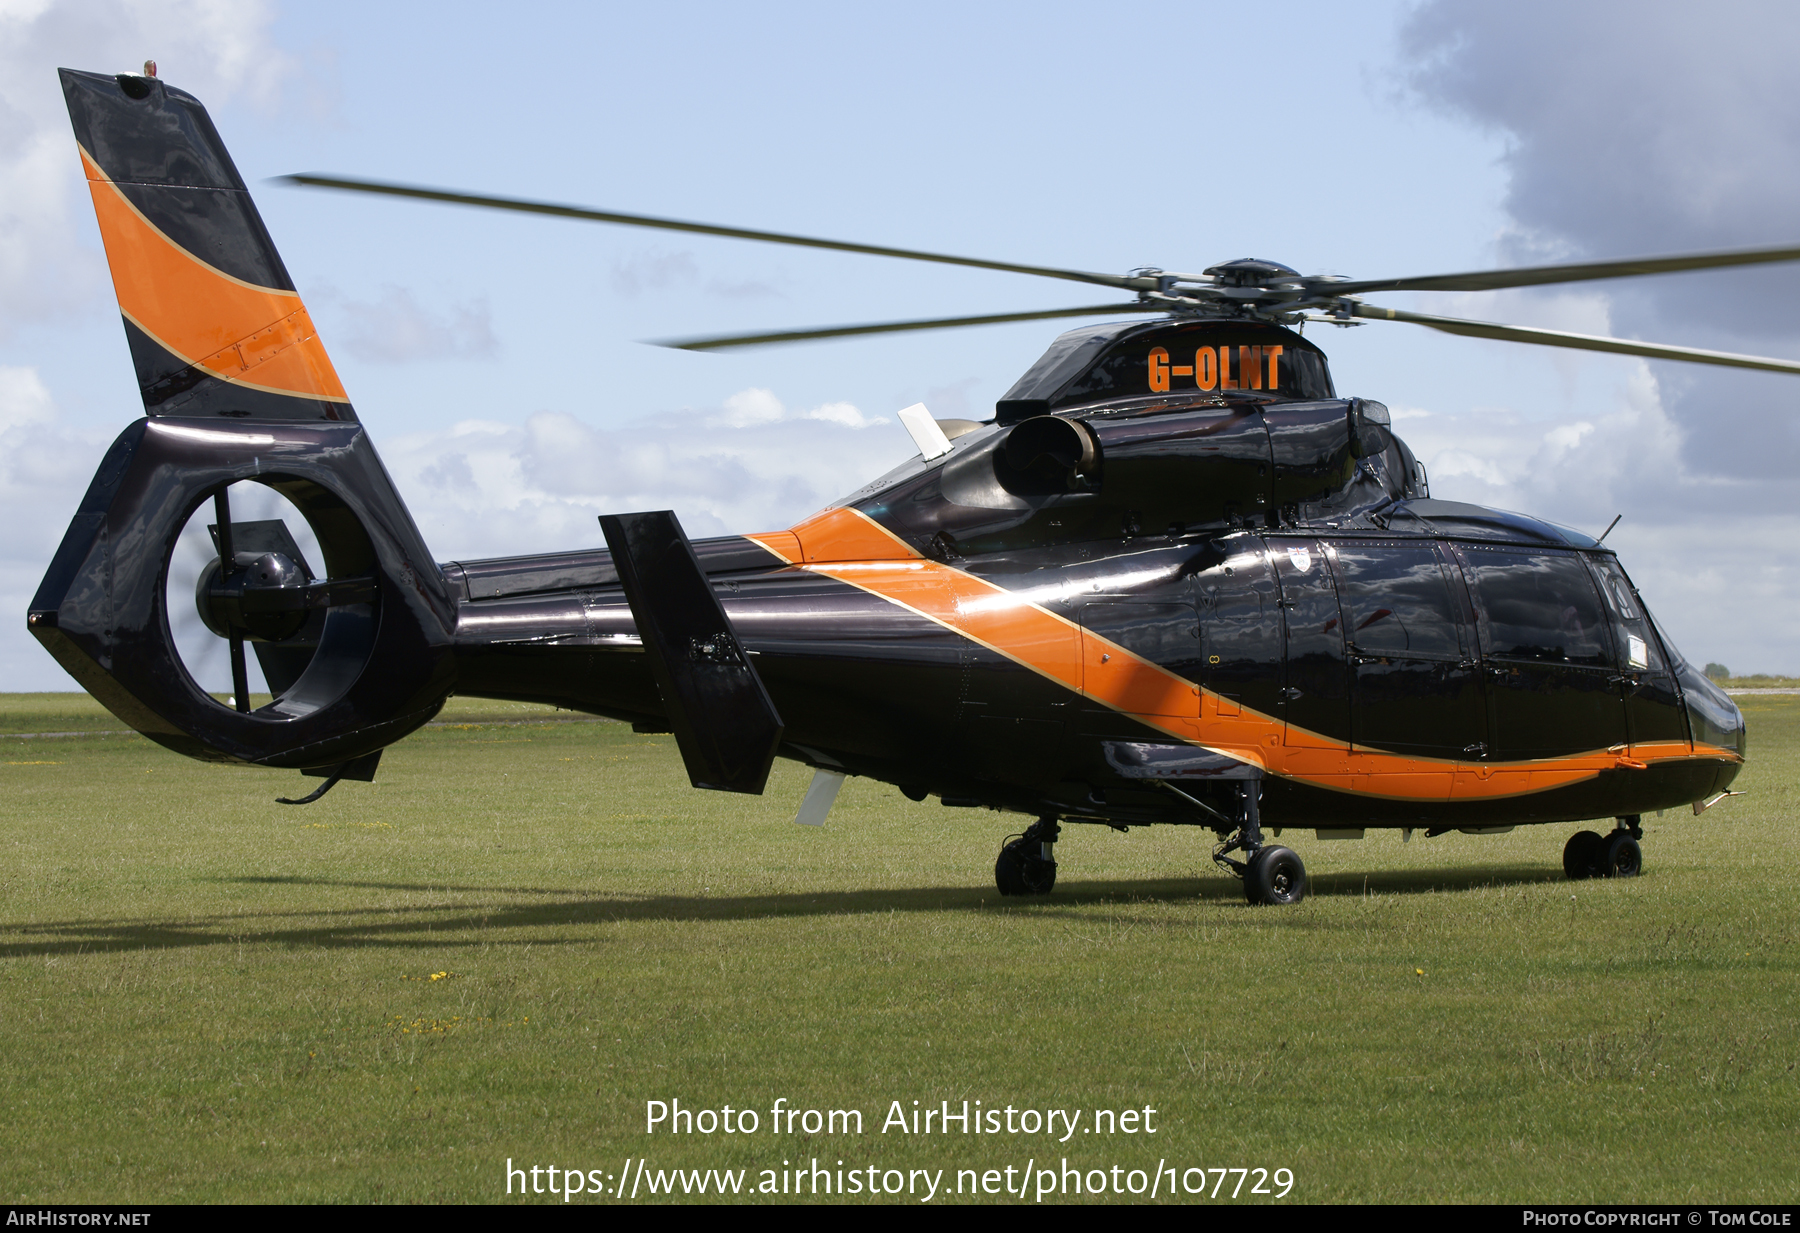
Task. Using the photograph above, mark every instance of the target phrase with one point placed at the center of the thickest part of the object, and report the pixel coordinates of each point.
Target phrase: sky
(500, 361)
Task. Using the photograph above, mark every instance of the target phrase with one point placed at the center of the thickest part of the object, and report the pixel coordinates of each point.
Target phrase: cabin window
(1537, 604)
(1397, 601)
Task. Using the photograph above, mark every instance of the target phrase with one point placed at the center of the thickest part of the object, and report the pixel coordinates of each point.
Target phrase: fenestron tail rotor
(1243, 290)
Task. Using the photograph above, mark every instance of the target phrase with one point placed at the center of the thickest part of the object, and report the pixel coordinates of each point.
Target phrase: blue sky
(497, 360)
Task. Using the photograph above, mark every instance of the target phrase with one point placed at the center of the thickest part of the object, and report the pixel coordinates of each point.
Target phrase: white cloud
(45, 466)
(218, 49)
(653, 271)
(397, 329)
(24, 398)
(658, 270)
(1719, 581)
(480, 489)
(1629, 132)
(486, 489)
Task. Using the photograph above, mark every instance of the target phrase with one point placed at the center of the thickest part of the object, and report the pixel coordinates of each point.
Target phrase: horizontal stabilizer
(1142, 760)
(722, 717)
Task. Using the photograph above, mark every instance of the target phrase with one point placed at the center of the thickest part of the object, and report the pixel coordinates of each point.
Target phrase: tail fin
(214, 322)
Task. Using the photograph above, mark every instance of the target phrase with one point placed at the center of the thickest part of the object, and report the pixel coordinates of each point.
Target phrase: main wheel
(1275, 875)
(1622, 858)
(1582, 855)
(1021, 871)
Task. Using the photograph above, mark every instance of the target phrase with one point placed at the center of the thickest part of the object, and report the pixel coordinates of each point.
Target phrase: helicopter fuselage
(1378, 662)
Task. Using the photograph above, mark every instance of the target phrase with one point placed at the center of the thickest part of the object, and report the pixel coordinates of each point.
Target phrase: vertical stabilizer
(214, 322)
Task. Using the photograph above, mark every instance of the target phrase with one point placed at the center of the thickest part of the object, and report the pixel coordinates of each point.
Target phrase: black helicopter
(1175, 579)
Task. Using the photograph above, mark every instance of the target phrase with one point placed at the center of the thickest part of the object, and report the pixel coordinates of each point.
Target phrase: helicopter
(1177, 579)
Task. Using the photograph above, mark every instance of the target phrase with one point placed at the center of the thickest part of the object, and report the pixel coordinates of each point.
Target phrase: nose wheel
(1272, 874)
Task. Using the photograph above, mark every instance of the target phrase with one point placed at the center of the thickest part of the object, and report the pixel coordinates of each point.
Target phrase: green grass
(205, 996)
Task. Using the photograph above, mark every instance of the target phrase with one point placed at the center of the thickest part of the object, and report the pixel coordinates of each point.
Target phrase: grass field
(525, 930)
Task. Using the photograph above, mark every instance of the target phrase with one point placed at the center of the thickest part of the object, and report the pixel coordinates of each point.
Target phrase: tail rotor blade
(240, 676)
(240, 671)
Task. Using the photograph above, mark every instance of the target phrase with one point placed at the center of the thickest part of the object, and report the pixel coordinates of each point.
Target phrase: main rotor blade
(674, 224)
(1581, 342)
(1539, 275)
(718, 342)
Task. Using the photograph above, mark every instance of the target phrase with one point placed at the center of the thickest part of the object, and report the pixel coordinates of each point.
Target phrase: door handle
(1291, 694)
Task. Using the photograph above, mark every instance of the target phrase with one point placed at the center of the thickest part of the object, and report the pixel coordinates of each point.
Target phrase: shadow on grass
(436, 926)
(1428, 881)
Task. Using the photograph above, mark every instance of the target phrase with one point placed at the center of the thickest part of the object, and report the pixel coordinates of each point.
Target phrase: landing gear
(1589, 855)
(1027, 864)
(1622, 857)
(1271, 874)
(1581, 855)
(1275, 875)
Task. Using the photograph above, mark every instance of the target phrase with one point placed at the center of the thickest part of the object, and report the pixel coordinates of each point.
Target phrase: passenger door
(1316, 682)
(1416, 684)
(1241, 636)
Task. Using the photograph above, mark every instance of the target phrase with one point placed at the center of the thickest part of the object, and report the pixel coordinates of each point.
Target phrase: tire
(1275, 876)
(1018, 871)
(1582, 856)
(1622, 858)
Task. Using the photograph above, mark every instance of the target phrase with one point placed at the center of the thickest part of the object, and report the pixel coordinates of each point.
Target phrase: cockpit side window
(1537, 604)
(1634, 643)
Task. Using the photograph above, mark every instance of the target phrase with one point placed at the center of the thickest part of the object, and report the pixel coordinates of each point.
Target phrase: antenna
(1608, 531)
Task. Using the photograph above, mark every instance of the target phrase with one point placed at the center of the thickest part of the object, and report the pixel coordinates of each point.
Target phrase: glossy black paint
(1159, 470)
(170, 385)
(1408, 627)
(1109, 363)
(1188, 492)
(723, 720)
(159, 146)
(381, 668)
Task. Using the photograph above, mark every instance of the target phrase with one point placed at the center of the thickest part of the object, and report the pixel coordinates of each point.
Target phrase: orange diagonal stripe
(250, 335)
(846, 544)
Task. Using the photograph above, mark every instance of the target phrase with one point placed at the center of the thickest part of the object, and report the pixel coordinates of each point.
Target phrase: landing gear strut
(1590, 855)
(1027, 864)
(1271, 874)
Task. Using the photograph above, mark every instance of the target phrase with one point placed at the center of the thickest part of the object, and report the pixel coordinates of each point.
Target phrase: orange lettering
(1250, 367)
(1225, 381)
(1182, 370)
(1206, 368)
(1274, 354)
(1159, 370)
